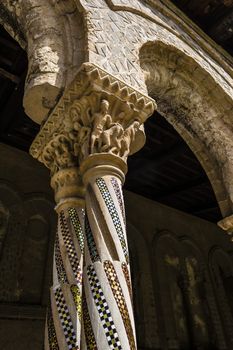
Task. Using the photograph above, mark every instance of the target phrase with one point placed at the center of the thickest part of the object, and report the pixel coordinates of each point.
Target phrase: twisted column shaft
(96, 125)
(107, 272)
(64, 318)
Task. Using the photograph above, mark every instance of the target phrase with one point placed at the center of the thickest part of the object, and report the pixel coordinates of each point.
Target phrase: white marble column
(107, 272)
(64, 316)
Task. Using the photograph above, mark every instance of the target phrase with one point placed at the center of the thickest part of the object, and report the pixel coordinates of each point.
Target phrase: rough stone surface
(124, 38)
(140, 47)
(53, 38)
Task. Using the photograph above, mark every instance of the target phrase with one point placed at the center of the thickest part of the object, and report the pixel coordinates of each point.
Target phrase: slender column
(96, 124)
(107, 273)
(64, 317)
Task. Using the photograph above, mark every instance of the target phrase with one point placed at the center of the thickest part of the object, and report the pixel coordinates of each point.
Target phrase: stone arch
(52, 33)
(198, 108)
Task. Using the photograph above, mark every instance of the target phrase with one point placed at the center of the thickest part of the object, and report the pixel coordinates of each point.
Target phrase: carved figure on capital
(78, 126)
(112, 132)
(101, 121)
(129, 137)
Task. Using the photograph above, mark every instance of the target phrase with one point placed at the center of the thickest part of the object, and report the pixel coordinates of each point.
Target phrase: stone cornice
(90, 80)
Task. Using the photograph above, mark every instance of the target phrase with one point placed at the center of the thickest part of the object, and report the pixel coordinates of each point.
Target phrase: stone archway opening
(167, 171)
(197, 108)
(16, 128)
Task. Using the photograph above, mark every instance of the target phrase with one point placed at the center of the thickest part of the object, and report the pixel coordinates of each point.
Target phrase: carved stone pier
(85, 142)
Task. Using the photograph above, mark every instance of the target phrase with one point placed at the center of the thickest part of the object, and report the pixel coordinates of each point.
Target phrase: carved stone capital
(68, 188)
(97, 114)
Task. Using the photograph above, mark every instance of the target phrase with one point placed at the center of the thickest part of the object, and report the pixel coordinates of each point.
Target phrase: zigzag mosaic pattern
(61, 272)
(91, 242)
(77, 297)
(89, 334)
(77, 227)
(52, 338)
(65, 320)
(120, 300)
(127, 278)
(113, 213)
(103, 310)
(118, 193)
(73, 258)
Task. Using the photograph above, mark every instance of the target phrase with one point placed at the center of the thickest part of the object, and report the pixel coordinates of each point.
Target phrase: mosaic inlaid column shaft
(64, 320)
(95, 126)
(107, 272)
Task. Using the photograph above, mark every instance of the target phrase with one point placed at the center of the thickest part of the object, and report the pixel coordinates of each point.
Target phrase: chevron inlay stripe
(61, 272)
(103, 310)
(77, 227)
(113, 213)
(52, 338)
(91, 242)
(65, 320)
(120, 300)
(89, 334)
(119, 196)
(73, 258)
(127, 278)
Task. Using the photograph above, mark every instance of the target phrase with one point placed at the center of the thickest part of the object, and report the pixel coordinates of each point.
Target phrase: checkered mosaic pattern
(103, 309)
(77, 297)
(61, 272)
(113, 213)
(127, 278)
(119, 196)
(89, 334)
(65, 320)
(77, 227)
(120, 300)
(52, 337)
(91, 242)
(73, 258)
